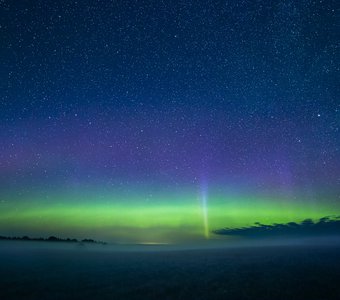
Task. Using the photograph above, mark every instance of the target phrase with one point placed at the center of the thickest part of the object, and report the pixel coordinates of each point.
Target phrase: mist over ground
(281, 269)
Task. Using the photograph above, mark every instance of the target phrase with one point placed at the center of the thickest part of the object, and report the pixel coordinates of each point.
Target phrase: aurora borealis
(159, 122)
(167, 220)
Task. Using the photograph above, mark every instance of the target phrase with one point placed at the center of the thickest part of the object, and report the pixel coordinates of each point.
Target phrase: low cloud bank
(326, 226)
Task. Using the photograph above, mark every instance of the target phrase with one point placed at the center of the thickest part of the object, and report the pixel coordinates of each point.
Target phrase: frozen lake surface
(58, 271)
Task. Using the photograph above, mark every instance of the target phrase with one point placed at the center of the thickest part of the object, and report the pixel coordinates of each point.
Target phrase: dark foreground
(291, 272)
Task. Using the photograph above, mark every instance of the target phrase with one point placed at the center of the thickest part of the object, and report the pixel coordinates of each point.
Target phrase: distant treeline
(50, 239)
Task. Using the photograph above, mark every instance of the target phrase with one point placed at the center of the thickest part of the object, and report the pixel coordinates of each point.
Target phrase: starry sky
(162, 121)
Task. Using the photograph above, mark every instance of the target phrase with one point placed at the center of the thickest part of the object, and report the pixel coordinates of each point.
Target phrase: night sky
(161, 121)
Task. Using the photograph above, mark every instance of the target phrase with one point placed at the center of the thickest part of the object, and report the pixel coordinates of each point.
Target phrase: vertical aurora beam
(204, 206)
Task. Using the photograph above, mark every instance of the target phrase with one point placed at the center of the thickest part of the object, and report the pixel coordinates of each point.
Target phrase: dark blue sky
(169, 92)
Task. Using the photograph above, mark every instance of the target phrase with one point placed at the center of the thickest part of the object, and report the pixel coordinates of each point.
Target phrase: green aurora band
(164, 219)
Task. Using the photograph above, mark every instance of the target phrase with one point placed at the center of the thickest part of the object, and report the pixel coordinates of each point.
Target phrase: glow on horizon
(169, 218)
